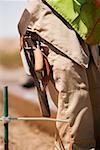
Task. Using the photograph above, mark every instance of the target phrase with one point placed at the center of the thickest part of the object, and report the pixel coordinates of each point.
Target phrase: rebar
(5, 99)
(32, 119)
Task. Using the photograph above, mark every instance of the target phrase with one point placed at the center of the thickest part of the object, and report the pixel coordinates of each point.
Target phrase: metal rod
(35, 119)
(5, 98)
(39, 119)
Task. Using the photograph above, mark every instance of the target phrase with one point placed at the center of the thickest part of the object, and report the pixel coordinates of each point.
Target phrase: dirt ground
(25, 135)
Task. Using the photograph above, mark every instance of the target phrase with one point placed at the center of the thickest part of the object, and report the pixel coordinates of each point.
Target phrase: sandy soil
(25, 135)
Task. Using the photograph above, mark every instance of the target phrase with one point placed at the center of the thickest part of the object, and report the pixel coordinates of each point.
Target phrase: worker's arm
(29, 15)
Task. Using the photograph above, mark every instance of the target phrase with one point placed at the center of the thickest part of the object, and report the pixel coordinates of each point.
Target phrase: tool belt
(36, 64)
(38, 56)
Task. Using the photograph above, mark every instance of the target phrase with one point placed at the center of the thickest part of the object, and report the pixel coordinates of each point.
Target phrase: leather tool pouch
(39, 54)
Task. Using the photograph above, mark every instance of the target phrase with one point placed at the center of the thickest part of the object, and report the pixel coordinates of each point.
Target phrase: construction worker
(76, 76)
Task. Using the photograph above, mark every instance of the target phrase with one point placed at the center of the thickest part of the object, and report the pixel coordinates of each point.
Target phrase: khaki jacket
(52, 29)
(96, 55)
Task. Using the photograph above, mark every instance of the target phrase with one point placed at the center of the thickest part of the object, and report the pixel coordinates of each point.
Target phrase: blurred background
(10, 13)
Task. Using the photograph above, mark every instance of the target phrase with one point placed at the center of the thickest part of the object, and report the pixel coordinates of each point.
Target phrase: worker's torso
(83, 15)
(51, 28)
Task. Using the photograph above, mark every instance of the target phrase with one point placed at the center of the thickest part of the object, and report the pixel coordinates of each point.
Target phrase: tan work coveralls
(77, 80)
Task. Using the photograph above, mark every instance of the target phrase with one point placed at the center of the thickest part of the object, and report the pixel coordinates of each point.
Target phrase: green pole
(5, 115)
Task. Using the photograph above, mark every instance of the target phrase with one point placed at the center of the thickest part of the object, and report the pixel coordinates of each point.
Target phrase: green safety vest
(83, 16)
